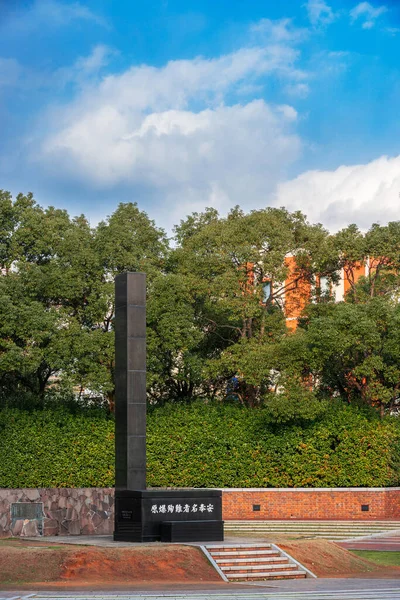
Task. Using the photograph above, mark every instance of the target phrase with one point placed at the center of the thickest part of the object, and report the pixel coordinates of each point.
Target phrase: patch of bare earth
(65, 565)
(327, 559)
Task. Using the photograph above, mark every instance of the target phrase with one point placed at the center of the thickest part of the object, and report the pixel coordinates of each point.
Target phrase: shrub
(203, 445)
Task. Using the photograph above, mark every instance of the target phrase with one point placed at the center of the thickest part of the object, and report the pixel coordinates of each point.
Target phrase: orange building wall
(354, 275)
(297, 295)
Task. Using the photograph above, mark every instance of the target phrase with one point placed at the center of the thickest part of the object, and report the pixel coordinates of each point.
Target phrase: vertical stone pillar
(130, 381)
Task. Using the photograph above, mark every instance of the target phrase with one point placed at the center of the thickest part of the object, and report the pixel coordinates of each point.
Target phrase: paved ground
(309, 589)
(386, 543)
(106, 541)
(374, 542)
(313, 589)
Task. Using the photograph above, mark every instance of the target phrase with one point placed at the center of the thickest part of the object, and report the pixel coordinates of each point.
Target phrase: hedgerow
(203, 445)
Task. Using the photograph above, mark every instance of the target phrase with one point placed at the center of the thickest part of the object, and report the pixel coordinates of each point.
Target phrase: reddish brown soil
(65, 565)
(163, 563)
(327, 559)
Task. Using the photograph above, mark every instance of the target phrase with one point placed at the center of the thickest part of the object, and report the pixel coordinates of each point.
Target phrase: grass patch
(389, 559)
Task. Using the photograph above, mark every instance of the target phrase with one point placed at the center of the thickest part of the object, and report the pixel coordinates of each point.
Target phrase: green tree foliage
(352, 350)
(57, 293)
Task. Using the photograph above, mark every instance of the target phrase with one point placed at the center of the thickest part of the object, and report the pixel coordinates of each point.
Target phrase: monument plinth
(143, 515)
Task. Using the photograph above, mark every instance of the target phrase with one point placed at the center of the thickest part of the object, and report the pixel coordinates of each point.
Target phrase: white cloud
(367, 13)
(50, 13)
(84, 68)
(278, 31)
(300, 90)
(179, 133)
(360, 194)
(319, 13)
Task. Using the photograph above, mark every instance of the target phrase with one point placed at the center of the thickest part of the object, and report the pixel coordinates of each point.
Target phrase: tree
(57, 291)
(352, 350)
(238, 272)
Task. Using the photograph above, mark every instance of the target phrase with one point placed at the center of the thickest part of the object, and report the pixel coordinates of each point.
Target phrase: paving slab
(328, 589)
(389, 543)
(107, 541)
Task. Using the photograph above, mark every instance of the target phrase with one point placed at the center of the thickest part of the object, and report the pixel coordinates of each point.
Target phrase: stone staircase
(245, 562)
(329, 530)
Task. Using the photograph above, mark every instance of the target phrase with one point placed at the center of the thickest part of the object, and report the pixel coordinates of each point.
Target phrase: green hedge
(54, 448)
(203, 445)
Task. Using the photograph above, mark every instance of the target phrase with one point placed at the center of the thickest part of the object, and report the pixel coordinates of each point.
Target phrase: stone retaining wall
(64, 511)
(88, 511)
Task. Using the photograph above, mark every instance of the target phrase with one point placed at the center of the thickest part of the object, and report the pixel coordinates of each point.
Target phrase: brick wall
(393, 503)
(307, 503)
(90, 511)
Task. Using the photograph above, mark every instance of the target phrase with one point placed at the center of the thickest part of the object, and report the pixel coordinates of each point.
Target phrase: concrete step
(313, 526)
(316, 521)
(251, 568)
(250, 560)
(305, 528)
(296, 523)
(238, 547)
(334, 530)
(252, 564)
(269, 575)
(244, 553)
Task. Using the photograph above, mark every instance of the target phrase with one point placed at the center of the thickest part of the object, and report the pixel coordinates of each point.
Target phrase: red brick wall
(393, 503)
(305, 503)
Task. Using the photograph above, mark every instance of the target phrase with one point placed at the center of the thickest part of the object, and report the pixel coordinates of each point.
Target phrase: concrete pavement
(309, 589)
(389, 543)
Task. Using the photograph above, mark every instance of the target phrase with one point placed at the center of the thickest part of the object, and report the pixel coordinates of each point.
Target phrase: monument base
(171, 515)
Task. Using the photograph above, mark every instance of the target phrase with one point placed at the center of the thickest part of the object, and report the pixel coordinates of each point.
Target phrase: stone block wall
(63, 511)
(90, 511)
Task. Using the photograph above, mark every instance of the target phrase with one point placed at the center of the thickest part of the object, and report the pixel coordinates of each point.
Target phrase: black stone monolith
(130, 381)
(143, 515)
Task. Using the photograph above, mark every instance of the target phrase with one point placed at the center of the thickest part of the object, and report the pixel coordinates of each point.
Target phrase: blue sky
(181, 105)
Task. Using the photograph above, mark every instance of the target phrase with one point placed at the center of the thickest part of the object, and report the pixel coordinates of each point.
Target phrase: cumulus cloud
(50, 12)
(361, 194)
(319, 12)
(181, 132)
(367, 13)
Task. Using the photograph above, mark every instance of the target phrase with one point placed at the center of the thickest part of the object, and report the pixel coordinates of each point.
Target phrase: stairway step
(254, 565)
(269, 575)
(320, 528)
(322, 521)
(243, 568)
(359, 532)
(251, 560)
(245, 553)
(302, 526)
(239, 547)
